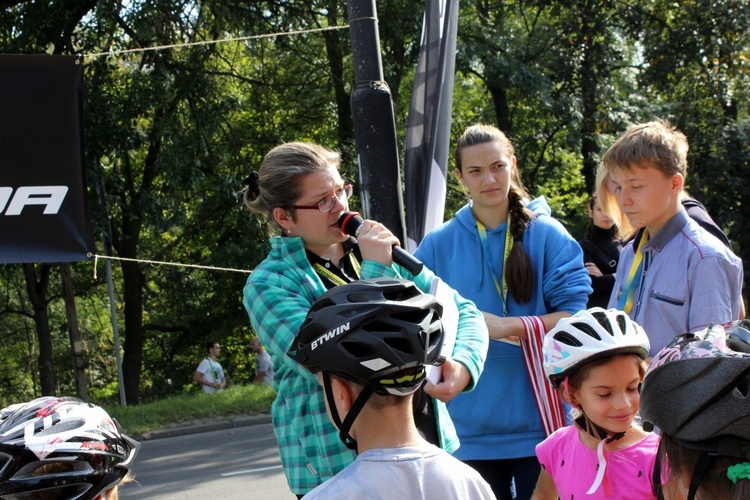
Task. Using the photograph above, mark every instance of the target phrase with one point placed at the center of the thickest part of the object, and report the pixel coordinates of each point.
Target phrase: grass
(176, 410)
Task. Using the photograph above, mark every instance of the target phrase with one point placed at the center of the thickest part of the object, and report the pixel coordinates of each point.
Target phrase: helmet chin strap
(345, 426)
(605, 437)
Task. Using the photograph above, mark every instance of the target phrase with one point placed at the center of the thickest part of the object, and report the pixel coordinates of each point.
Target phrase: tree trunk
(502, 110)
(76, 346)
(335, 54)
(134, 340)
(590, 62)
(37, 291)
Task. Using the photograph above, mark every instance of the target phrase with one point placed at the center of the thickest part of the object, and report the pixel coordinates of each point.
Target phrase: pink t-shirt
(573, 467)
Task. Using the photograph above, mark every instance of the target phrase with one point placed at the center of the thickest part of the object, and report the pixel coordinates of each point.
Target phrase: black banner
(44, 210)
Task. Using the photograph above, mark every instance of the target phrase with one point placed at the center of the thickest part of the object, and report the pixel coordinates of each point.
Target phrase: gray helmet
(697, 390)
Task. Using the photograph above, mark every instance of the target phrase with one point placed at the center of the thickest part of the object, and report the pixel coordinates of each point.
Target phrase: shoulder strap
(212, 369)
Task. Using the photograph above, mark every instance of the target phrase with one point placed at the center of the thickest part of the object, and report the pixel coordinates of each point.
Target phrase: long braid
(518, 271)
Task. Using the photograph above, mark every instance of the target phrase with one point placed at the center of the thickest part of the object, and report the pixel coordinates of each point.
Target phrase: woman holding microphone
(299, 192)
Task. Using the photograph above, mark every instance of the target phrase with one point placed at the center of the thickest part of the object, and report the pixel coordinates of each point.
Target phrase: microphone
(350, 222)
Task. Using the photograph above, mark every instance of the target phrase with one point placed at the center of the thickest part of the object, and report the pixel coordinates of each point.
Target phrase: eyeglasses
(326, 204)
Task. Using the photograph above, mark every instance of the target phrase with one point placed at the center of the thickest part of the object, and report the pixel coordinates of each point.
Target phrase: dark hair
(518, 272)
(209, 346)
(714, 483)
(278, 181)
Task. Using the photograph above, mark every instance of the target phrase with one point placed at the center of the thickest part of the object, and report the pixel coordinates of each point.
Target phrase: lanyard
(634, 275)
(502, 289)
(331, 276)
(213, 370)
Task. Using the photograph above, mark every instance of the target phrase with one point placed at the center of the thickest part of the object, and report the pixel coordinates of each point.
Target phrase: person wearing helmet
(299, 192)
(62, 448)
(369, 342)
(697, 392)
(596, 360)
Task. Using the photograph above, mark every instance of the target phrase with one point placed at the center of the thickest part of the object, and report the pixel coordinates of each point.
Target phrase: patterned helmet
(697, 389)
(589, 335)
(63, 447)
(369, 330)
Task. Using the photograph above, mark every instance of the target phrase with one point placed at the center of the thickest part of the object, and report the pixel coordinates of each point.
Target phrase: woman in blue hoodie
(514, 260)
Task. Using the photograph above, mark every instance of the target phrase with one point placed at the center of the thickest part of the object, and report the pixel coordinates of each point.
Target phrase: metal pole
(374, 123)
(113, 314)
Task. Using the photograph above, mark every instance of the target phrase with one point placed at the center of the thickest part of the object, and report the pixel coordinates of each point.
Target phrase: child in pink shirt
(596, 359)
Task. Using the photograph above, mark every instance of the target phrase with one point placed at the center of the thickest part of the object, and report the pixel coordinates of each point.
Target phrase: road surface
(238, 463)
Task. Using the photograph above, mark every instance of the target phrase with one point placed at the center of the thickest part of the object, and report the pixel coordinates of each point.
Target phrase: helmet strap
(345, 426)
(701, 466)
(599, 433)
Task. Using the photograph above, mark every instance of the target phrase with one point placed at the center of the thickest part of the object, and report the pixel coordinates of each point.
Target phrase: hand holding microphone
(351, 222)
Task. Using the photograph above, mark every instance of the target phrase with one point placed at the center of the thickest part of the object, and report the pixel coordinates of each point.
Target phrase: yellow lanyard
(330, 275)
(502, 289)
(634, 275)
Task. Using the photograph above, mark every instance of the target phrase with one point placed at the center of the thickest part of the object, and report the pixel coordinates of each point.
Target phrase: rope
(156, 262)
(209, 42)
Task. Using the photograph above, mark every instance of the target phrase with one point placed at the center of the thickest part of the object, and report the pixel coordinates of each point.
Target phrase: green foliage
(237, 400)
(170, 134)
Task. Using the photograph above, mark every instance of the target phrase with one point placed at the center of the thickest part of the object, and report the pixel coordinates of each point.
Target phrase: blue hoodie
(499, 419)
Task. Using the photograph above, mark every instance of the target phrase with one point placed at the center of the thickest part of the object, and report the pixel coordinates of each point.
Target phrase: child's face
(646, 195)
(609, 395)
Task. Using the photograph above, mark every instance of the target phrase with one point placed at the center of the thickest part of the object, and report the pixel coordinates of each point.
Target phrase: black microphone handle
(407, 260)
(350, 223)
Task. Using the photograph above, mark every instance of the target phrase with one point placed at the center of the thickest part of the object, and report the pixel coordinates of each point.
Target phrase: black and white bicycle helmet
(61, 448)
(588, 335)
(697, 388)
(368, 330)
(379, 333)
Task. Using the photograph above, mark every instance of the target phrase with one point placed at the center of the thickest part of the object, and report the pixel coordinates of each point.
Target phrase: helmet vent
(398, 344)
(567, 339)
(588, 330)
(322, 304)
(356, 349)
(403, 295)
(61, 427)
(622, 322)
(603, 320)
(743, 386)
(358, 297)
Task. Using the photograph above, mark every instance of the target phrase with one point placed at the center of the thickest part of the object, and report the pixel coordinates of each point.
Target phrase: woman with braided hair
(524, 272)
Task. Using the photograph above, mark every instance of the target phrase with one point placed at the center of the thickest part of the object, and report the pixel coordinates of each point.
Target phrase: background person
(696, 393)
(209, 373)
(263, 365)
(674, 276)
(392, 321)
(63, 448)
(601, 253)
(509, 256)
(298, 190)
(596, 360)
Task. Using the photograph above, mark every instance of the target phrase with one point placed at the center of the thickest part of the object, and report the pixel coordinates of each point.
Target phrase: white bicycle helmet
(588, 335)
(61, 448)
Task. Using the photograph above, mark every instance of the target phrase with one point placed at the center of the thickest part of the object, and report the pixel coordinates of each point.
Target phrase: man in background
(209, 373)
(263, 365)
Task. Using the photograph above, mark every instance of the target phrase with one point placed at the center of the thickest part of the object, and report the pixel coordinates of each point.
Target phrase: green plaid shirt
(277, 296)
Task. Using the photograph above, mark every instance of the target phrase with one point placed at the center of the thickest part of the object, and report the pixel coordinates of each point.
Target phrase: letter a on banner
(44, 209)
